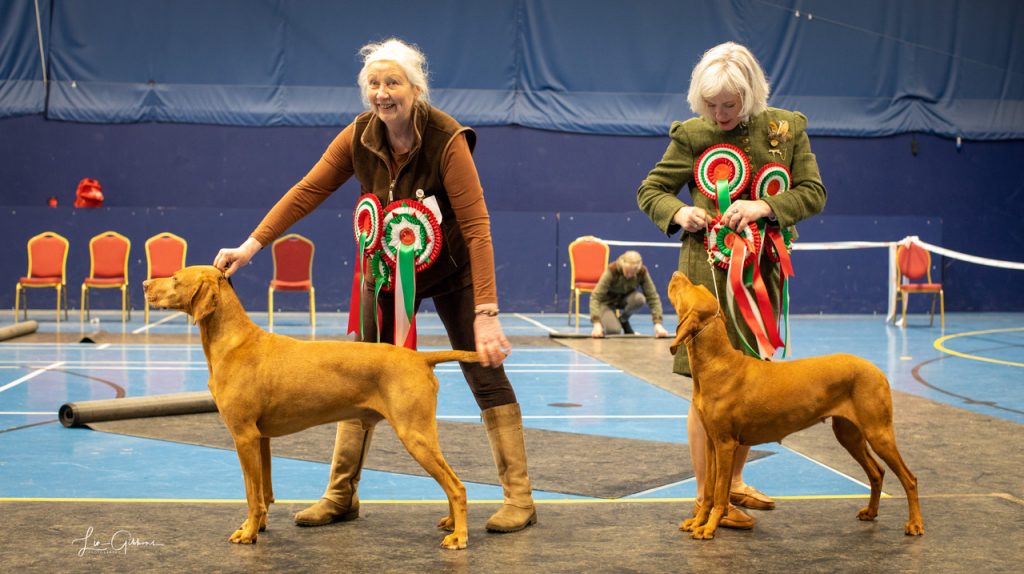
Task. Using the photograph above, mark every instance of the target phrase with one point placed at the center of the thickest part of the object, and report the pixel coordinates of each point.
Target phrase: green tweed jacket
(658, 195)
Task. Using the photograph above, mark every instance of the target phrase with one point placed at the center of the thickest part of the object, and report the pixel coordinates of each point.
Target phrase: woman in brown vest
(403, 148)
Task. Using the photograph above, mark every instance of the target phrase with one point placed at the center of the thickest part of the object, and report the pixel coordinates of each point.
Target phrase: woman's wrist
(486, 310)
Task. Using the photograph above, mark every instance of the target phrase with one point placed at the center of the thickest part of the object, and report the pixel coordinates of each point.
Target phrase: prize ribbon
(367, 225)
(722, 162)
(770, 180)
(410, 243)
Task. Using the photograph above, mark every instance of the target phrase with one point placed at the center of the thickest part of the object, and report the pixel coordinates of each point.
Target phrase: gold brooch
(778, 132)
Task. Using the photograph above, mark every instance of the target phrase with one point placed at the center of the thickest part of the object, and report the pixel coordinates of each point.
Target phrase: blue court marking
(50, 461)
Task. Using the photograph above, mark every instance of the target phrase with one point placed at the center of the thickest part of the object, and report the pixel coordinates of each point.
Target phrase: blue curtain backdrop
(868, 68)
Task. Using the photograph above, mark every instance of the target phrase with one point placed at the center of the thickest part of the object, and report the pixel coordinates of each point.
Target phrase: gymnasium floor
(959, 398)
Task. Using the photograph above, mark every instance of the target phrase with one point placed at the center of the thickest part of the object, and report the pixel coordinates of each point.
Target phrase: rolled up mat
(85, 412)
(557, 335)
(18, 329)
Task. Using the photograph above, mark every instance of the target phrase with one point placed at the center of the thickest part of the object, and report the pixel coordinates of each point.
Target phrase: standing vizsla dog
(268, 385)
(743, 400)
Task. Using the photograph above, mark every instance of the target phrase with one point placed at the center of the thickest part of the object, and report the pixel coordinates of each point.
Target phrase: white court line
(51, 413)
(31, 375)
(103, 346)
(537, 323)
(160, 322)
(119, 367)
(562, 417)
(694, 478)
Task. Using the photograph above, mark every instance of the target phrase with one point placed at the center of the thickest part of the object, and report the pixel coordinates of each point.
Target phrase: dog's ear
(686, 327)
(204, 299)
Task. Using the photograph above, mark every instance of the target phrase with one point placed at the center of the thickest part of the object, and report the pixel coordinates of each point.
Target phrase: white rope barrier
(835, 245)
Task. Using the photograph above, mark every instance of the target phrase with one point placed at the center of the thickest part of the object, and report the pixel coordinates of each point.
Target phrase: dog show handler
(404, 148)
(616, 290)
(729, 92)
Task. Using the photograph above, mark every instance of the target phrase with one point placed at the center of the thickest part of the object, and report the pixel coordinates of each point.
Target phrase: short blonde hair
(407, 56)
(729, 68)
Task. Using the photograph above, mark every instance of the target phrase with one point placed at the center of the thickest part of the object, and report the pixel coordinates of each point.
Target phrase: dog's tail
(435, 357)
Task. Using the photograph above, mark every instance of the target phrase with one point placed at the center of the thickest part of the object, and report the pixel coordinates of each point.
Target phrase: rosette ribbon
(367, 224)
(771, 180)
(411, 243)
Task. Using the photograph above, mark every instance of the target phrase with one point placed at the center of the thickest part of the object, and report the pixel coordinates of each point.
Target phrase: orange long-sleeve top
(461, 182)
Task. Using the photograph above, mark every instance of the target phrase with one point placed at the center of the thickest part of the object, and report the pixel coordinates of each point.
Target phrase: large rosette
(722, 162)
(409, 222)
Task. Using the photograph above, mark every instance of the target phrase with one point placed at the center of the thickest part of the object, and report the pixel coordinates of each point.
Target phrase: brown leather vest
(435, 131)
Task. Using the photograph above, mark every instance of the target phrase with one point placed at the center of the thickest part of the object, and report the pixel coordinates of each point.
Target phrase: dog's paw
(703, 533)
(446, 523)
(242, 536)
(455, 541)
(689, 524)
(914, 528)
(867, 514)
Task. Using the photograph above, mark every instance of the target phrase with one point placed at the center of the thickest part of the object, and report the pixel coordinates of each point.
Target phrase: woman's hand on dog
(491, 344)
(229, 260)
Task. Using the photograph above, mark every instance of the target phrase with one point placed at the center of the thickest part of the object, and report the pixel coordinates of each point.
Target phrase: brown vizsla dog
(743, 400)
(268, 385)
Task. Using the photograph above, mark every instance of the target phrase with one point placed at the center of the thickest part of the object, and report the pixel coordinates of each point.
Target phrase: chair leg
(17, 301)
(85, 303)
(905, 297)
(124, 300)
(577, 310)
(312, 307)
(64, 289)
(146, 312)
(58, 303)
(931, 315)
(270, 309)
(942, 310)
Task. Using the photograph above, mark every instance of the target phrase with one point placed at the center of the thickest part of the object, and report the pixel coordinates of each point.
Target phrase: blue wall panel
(181, 177)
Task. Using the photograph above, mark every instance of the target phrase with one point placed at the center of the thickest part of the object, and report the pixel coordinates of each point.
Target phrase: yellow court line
(311, 501)
(938, 344)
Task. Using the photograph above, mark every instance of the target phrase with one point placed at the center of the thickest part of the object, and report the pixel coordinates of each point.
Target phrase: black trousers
(490, 386)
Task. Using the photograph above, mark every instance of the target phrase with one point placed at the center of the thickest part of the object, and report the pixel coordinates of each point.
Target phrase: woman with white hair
(729, 93)
(404, 148)
(616, 291)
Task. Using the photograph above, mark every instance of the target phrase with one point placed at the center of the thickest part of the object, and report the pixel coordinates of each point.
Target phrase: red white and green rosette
(367, 222)
(383, 274)
(772, 179)
(410, 223)
(722, 162)
(720, 238)
(411, 242)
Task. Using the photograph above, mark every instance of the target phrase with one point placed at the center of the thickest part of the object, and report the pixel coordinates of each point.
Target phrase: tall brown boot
(340, 501)
(504, 426)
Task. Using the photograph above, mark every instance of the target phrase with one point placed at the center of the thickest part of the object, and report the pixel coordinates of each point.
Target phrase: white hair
(407, 56)
(729, 68)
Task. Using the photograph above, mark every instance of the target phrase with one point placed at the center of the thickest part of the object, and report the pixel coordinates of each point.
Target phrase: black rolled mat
(570, 463)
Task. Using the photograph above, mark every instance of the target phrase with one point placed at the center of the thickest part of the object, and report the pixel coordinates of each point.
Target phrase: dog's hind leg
(419, 435)
(247, 443)
(268, 485)
(883, 442)
(854, 442)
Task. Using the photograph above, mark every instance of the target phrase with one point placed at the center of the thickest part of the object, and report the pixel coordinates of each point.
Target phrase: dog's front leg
(248, 446)
(718, 480)
(703, 510)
